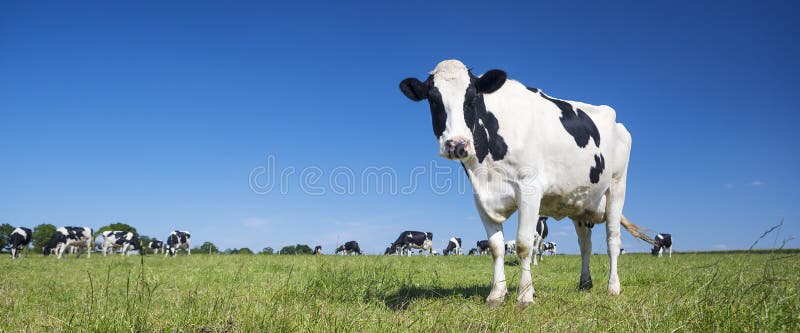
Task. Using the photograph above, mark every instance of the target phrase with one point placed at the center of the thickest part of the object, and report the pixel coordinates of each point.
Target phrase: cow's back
(574, 167)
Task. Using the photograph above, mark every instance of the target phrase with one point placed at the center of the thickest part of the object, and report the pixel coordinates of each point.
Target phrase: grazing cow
(550, 247)
(20, 238)
(524, 150)
(178, 239)
(155, 246)
(483, 246)
(472, 252)
(348, 248)
(511, 247)
(318, 249)
(538, 238)
(453, 247)
(70, 236)
(412, 240)
(123, 239)
(662, 241)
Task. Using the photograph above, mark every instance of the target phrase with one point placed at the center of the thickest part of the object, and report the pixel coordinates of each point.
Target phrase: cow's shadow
(401, 299)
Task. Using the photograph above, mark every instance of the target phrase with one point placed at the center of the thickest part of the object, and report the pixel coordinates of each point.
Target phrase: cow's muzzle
(456, 149)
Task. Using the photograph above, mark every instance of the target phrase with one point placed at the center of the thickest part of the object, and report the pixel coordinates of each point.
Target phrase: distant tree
(231, 251)
(302, 249)
(208, 248)
(267, 250)
(115, 227)
(245, 250)
(289, 249)
(41, 235)
(5, 235)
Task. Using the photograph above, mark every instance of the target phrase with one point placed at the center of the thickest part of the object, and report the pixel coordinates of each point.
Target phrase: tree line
(42, 234)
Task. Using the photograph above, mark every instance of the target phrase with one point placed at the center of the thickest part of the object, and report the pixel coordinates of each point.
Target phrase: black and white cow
(662, 241)
(409, 240)
(622, 251)
(524, 150)
(538, 238)
(155, 246)
(178, 240)
(511, 247)
(121, 239)
(318, 249)
(350, 247)
(453, 247)
(483, 246)
(20, 238)
(550, 247)
(70, 236)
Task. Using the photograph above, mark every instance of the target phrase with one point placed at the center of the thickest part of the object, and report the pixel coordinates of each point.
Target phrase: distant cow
(550, 247)
(122, 239)
(412, 240)
(70, 236)
(20, 238)
(155, 246)
(622, 251)
(662, 241)
(538, 238)
(472, 252)
(483, 246)
(511, 247)
(318, 249)
(453, 247)
(348, 248)
(178, 239)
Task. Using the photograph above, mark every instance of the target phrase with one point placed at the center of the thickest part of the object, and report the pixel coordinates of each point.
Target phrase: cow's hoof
(614, 290)
(494, 303)
(585, 285)
(521, 305)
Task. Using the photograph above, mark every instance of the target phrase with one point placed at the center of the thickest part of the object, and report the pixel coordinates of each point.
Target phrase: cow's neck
(493, 187)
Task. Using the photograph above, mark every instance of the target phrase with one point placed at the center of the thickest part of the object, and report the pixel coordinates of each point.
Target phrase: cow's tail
(635, 230)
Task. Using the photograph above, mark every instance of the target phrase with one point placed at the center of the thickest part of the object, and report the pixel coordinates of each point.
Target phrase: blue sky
(162, 115)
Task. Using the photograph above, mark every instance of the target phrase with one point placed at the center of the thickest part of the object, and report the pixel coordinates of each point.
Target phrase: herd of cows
(122, 241)
(74, 238)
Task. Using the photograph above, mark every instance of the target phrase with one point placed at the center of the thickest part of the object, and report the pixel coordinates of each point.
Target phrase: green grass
(706, 292)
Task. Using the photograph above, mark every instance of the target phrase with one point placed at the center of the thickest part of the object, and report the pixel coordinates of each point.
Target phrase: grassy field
(215, 293)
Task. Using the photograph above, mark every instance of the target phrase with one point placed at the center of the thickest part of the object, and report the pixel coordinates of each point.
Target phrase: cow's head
(459, 115)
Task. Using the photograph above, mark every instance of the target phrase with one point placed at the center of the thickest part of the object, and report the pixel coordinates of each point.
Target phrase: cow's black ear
(491, 81)
(413, 89)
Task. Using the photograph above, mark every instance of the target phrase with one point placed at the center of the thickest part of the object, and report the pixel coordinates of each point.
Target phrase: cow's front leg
(584, 231)
(494, 231)
(526, 233)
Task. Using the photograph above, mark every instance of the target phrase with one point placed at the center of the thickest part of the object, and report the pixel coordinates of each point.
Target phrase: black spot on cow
(576, 122)
(483, 123)
(597, 169)
(534, 90)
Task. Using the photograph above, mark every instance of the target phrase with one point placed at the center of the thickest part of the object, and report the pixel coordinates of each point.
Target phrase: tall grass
(216, 293)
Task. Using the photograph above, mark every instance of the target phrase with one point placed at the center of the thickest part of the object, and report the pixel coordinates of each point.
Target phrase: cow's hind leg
(584, 231)
(499, 291)
(615, 200)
